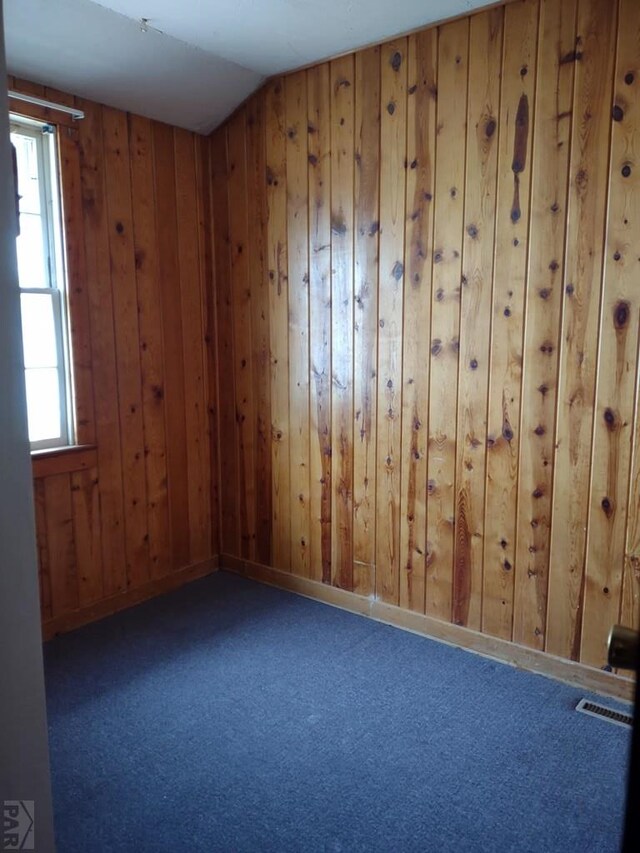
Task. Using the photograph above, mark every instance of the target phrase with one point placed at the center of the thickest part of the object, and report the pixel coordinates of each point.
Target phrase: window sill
(63, 460)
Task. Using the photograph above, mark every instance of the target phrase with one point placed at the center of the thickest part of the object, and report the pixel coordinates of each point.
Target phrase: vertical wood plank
(77, 295)
(241, 305)
(276, 179)
(125, 308)
(259, 288)
(453, 51)
(552, 133)
(151, 345)
(365, 329)
(61, 546)
(241, 310)
(85, 503)
(516, 122)
(206, 227)
(298, 278)
(229, 495)
(342, 177)
(393, 151)
(40, 507)
(319, 172)
(170, 299)
(617, 362)
(103, 349)
(578, 350)
(485, 51)
(630, 603)
(198, 459)
(421, 142)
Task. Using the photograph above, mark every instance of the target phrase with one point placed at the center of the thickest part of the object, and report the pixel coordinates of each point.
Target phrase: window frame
(46, 136)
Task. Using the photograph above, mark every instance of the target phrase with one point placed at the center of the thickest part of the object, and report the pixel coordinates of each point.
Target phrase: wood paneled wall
(138, 502)
(427, 263)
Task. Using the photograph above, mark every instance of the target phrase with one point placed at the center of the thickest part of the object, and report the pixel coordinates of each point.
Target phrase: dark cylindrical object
(624, 647)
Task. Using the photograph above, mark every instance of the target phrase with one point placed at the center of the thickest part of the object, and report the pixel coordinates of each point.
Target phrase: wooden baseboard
(577, 674)
(129, 598)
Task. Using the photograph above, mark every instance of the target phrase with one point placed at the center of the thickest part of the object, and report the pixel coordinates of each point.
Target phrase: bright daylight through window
(42, 292)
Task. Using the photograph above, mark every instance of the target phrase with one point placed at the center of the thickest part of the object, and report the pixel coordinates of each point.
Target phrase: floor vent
(594, 709)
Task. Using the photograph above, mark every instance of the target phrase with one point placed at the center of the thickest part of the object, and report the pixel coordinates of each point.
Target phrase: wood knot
(436, 347)
(626, 170)
(119, 227)
(313, 160)
(629, 78)
(610, 419)
(571, 56)
(617, 113)
(539, 430)
(472, 231)
(391, 108)
(398, 270)
(621, 313)
(537, 493)
(490, 127)
(507, 311)
(338, 226)
(473, 364)
(607, 507)
(396, 60)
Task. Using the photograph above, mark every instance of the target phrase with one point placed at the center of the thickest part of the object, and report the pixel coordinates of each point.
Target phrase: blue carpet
(229, 716)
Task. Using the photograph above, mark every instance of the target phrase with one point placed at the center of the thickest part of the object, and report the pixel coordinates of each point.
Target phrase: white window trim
(50, 199)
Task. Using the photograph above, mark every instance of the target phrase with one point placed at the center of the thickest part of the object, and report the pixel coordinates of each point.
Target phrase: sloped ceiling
(191, 62)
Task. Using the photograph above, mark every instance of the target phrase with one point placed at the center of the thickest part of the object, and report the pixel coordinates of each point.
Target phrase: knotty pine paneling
(137, 219)
(446, 228)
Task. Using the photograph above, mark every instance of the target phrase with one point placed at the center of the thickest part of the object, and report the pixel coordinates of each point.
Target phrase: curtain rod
(40, 102)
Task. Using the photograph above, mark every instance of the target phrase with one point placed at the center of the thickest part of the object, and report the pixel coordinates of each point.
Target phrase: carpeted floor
(229, 716)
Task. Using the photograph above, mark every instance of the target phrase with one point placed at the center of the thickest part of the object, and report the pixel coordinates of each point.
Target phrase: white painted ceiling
(194, 61)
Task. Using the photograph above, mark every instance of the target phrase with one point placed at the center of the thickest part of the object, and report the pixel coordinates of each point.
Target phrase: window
(42, 285)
